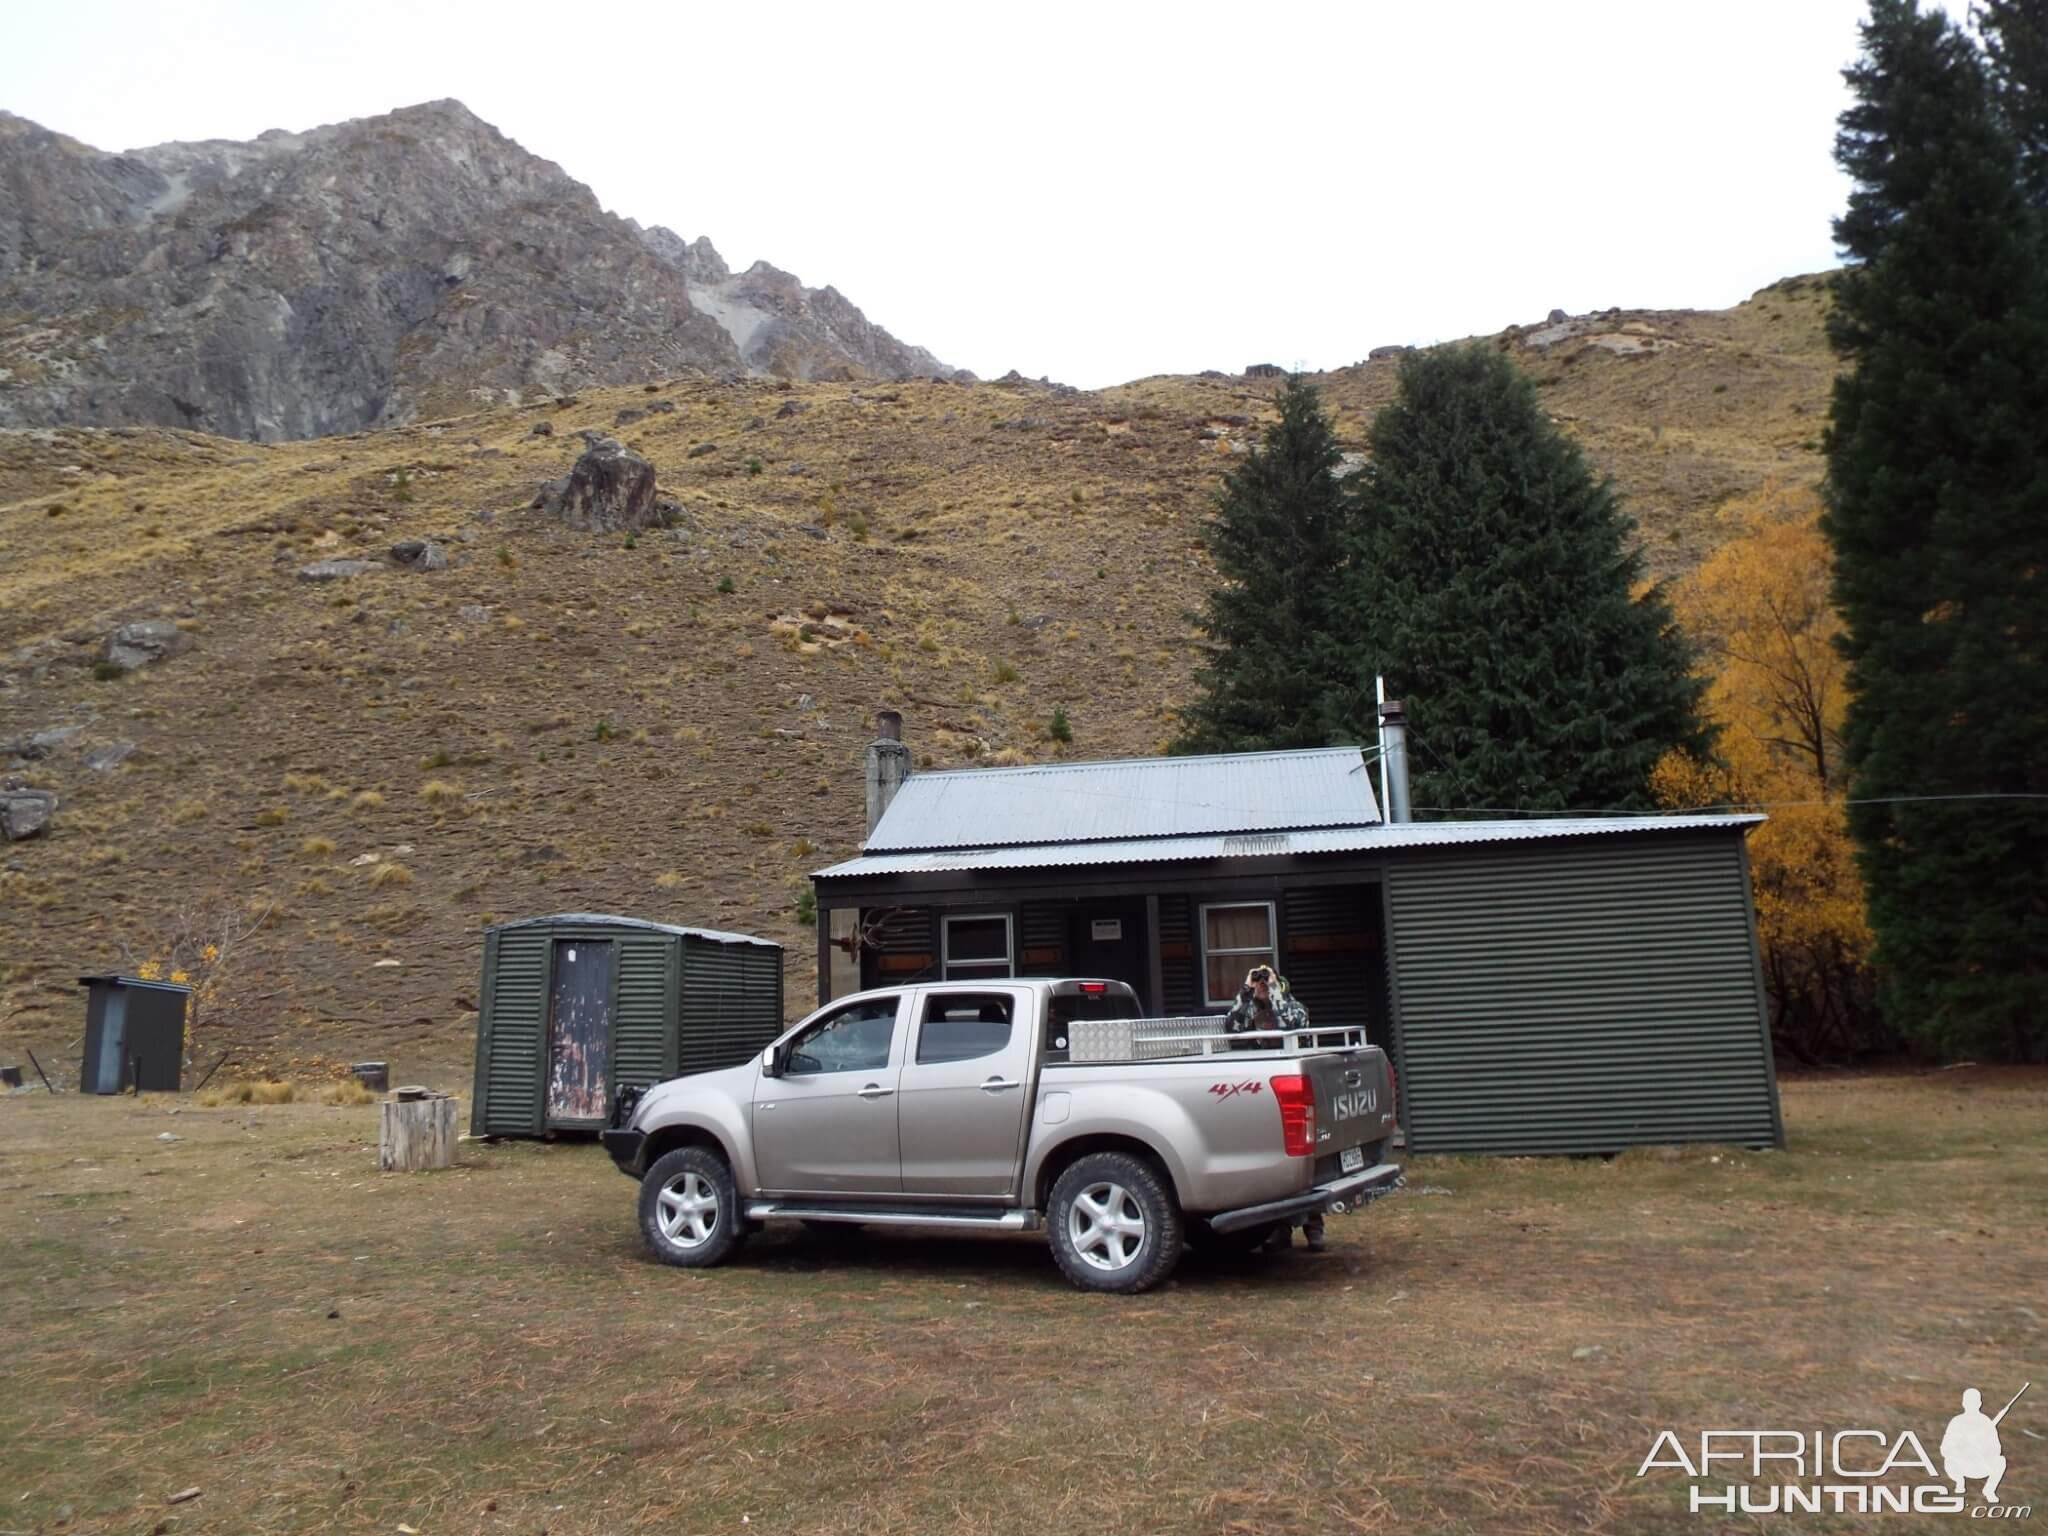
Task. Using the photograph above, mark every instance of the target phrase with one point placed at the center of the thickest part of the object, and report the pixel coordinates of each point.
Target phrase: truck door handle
(998, 1084)
(876, 1091)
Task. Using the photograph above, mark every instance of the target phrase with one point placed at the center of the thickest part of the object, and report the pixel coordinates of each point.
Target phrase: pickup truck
(1015, 1105)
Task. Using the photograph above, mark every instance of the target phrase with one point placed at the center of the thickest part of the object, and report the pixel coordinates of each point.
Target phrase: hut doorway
(580, 1032)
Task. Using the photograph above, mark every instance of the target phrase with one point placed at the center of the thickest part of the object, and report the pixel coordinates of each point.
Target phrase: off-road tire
(1141, 1194)
(1205, 1239)
(723, 1228)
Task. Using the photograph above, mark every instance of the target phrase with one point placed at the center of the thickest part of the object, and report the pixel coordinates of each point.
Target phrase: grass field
(251, 1310)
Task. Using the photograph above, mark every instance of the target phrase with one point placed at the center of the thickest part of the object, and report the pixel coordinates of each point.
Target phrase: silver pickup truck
(1013, 1105)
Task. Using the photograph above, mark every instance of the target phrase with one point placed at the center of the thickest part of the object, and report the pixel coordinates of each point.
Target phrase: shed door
(113, 1041)
(580, 1032)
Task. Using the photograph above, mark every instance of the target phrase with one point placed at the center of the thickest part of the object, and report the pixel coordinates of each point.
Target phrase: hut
(1562, 985)
(577, 1007)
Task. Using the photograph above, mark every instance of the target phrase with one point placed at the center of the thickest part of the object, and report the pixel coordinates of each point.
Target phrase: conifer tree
(1496, 586)
(1276, 535)
(2015, 36)
(1938, 515)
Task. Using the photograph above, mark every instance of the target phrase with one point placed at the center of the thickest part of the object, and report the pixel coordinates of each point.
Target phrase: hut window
(1235, 937)
(977, 946)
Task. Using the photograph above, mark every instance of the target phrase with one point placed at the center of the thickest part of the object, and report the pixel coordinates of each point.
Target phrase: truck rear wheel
(689, 1209)
(1115, 1225)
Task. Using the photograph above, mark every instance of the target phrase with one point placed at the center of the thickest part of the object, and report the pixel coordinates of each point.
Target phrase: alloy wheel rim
(686, 1210)
(1106, 1226)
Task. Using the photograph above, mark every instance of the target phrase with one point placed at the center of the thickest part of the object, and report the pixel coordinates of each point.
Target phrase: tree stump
(417, 1134)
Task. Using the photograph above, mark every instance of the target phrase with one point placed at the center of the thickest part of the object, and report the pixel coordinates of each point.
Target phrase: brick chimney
(888, 765)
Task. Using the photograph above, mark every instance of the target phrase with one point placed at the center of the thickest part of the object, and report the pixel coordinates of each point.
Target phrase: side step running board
(991, 1220)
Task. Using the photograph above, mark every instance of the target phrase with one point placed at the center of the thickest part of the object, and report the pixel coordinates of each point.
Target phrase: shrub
(807, 907)
(107, 672)
(435, 760)
(754, 466)
(602, 731)
(1059, 730)
(440, 791)
(1005, 673)
(725, 586)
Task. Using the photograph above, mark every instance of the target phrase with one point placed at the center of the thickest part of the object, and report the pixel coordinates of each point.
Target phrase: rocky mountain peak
(359, 274)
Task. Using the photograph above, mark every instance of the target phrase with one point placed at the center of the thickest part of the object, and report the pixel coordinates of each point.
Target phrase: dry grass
(387, 875)
(978, 565)
(347, 1092)
(254, 1311)
(248, 1091)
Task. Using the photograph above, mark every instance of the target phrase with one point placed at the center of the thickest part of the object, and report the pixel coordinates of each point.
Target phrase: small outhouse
(579, 1006)
(134, 1034)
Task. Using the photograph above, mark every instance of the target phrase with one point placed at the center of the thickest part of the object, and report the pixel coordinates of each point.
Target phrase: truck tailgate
(1354, 1103)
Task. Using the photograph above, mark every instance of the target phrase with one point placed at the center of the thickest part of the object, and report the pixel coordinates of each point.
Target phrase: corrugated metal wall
(643, 1045)
(732, 1003)
(1042, 938)
(512, 1033)
(1330, 953)
(1180, 967)
(1580, 998)
(906, 947)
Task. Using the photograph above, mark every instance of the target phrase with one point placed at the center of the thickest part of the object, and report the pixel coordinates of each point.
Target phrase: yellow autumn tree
(1759, 609)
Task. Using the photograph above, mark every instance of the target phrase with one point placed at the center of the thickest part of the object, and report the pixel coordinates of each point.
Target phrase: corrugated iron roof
(1152, 850)
(610, 920)
(1064, 803)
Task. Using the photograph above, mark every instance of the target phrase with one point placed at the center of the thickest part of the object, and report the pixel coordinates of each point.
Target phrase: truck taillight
(1296, 1096)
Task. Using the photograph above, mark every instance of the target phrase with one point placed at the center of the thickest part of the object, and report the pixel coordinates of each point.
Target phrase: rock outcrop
(23, 811)
(610, 490)
(787, 330)
(363, 274)
(142, 642)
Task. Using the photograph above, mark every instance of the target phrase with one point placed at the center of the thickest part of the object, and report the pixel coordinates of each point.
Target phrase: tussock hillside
(669, 724)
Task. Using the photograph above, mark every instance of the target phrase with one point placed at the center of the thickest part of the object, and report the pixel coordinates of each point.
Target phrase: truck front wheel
(689, 1209)
(1115, 1225)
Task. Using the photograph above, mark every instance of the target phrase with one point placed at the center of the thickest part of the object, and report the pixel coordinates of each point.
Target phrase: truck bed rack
(1100, 1040)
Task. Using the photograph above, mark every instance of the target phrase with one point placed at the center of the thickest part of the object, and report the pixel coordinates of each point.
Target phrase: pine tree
(1277, 537)
(1938, 515)
(1496, 586)
(2015, 36)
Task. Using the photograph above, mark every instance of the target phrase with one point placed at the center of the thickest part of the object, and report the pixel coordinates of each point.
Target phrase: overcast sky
(1096, 192)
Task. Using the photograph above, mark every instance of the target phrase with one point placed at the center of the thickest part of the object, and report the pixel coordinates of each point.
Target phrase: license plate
(1351, 1159)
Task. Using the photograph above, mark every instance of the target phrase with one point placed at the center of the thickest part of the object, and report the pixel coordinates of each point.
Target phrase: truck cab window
(855, 1039)
(959, 1026)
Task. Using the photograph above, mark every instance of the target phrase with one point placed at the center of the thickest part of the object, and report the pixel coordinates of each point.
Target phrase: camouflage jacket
(1283, 1013)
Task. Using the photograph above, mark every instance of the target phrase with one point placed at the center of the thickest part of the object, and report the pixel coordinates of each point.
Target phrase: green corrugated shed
(1580, 995)
(577, 1007)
